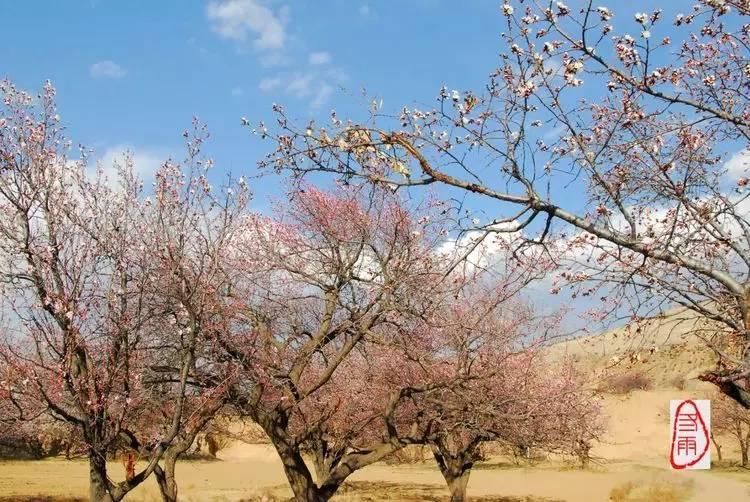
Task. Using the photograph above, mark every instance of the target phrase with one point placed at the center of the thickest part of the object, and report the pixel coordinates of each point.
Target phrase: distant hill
(666, 348)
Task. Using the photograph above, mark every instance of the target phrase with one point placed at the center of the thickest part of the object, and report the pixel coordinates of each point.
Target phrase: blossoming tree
(101, 330)
(326, 273)
(632, 117)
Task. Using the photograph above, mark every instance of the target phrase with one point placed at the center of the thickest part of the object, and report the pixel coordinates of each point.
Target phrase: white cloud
(145, 161)
(319, 58)
(270, 84)
(314, 86)
(483, 248)
(107, 69)
(364, 10)
(274, 58)
(738, 164)
(301, 85)
(322, 94)
(236, 19)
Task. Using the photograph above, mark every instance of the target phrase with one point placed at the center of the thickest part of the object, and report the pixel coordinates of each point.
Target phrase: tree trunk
(99, 488)
(297, 473)
(322, 470)
(717, 446)
(165, 476)
(457, 485)
(166, 479)
(341, 465)
(456, 470)
(584, 452)
(743, 451)
(346, 463)
(300, 480)
(325, 456)
(584, 459)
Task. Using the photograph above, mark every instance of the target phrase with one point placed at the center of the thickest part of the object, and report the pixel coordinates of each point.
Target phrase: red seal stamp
(690, 428)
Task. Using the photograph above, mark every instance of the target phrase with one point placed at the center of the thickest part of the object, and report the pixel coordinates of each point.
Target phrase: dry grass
(728, 466)
(658, 491)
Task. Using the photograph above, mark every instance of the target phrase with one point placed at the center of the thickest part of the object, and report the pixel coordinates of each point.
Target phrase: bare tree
(730, 418)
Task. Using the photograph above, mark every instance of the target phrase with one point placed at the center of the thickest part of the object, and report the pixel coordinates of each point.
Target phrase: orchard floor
(633, 452)
(252, 479)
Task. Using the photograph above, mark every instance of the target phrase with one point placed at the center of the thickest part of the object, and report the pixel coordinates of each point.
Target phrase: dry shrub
(678, 382)
(39, 439)
(657, 491)
(412, 454)
(519, 455)
(625, 383)
(208, 445)
(621, 493)
(217, 442)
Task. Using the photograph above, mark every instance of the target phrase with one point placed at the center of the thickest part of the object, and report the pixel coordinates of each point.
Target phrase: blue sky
(133, 74)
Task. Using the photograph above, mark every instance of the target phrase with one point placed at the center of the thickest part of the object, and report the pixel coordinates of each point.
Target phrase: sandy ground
(633, 451)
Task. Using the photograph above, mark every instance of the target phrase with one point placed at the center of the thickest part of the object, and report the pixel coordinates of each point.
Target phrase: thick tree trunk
(299, 476)
(341, 464)
(347, 463)
(457, 485)
(325, 457)
(99, 489)
(301, 482)
(456, 470)
(322, 469)
(743, 451)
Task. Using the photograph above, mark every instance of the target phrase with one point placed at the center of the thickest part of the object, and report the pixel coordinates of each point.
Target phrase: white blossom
(604, 12)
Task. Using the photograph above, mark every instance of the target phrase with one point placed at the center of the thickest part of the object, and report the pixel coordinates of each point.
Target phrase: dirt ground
(259, 479)
(631, 462)
(631, 459)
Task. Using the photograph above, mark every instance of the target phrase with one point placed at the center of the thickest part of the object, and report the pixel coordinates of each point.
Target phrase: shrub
(210, 444)
(412, 454)
(627, 382)
(678, 382)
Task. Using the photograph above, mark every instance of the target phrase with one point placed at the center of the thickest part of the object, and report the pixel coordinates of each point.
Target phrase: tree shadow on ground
(41, 498)
(371, 491)
(502, 464)
(729, 466)
(595, 466)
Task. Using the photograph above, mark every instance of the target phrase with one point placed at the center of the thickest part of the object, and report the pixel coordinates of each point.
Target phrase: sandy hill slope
(667, 349)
